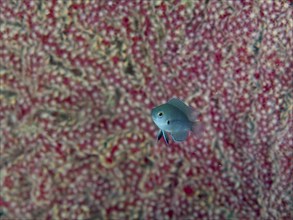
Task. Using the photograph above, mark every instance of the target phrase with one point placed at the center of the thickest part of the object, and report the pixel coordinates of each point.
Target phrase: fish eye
(168, 122)
(160, 114)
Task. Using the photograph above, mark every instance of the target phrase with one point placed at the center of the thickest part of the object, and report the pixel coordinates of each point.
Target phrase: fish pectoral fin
(160, 134)
(179, 136)
(166, 137)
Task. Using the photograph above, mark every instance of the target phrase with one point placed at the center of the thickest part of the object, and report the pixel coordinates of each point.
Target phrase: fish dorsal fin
(188, 111)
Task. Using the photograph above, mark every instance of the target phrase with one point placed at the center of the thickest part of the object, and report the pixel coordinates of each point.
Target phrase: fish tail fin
(193, 115)
(198, 128)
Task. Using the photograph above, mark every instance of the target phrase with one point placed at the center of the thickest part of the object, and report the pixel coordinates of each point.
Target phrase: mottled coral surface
(78, 81)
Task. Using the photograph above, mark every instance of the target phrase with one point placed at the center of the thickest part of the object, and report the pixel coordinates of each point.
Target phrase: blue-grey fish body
(174, 117)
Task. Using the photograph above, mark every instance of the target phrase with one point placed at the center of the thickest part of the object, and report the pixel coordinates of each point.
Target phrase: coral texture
(80, 77)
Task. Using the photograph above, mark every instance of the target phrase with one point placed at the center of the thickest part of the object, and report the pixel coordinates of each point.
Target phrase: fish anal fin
(179, 136)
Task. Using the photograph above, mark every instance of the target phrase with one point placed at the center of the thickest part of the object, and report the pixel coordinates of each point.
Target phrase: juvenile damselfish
(176, 118)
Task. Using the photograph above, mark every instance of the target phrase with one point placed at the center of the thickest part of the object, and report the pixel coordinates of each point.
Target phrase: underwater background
(78, 82)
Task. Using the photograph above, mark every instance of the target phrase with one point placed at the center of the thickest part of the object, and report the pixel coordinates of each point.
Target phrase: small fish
(176, 118)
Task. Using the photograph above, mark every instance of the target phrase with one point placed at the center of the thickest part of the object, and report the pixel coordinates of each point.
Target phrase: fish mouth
(153, 115)
(154, 119)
